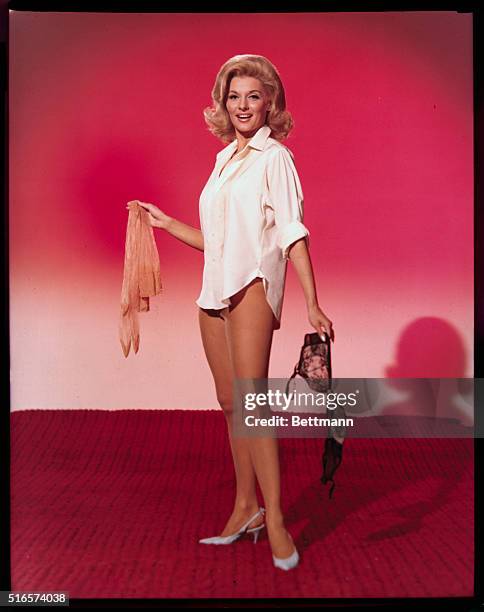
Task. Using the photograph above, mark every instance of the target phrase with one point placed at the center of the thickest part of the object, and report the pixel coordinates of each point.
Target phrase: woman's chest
(227, 167)
(237, 186)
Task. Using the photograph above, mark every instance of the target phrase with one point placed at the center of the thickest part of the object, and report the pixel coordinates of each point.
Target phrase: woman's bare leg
(215, 345)
(249, 334)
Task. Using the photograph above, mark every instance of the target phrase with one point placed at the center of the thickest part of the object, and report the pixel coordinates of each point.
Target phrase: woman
(251, 212)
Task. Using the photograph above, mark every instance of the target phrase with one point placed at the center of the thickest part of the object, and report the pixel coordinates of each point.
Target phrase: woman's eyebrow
(249, 91)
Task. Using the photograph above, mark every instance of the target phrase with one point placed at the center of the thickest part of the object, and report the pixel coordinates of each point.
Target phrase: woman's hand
(156, 216)
(320, 321)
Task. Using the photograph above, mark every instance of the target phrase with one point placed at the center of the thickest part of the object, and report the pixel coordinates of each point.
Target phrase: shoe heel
(256, 533)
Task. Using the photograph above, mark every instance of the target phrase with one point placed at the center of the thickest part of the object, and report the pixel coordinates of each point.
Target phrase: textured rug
(111, 504)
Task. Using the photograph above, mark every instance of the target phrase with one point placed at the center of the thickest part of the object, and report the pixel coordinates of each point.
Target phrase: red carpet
(112, 504)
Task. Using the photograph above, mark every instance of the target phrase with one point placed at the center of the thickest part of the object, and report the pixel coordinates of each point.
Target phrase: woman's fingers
(327, 326)
(144, 205)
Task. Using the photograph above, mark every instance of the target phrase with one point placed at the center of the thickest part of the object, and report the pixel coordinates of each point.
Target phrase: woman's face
(247, 97)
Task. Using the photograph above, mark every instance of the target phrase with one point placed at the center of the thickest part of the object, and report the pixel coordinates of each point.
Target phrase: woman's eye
(231, 97)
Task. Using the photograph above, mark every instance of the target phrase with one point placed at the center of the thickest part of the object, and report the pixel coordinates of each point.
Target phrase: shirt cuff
(289, 234)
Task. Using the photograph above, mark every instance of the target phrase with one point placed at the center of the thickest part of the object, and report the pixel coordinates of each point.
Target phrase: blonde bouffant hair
(278, 118)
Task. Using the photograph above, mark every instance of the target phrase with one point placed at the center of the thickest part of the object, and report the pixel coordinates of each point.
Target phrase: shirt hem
(226, 300)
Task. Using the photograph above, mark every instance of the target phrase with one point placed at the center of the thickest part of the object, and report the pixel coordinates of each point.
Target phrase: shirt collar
(258, 140)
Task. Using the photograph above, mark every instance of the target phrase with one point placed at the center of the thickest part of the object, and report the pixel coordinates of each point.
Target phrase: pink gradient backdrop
(105, 108)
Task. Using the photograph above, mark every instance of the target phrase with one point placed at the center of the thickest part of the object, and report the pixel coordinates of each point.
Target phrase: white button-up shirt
(251, 211)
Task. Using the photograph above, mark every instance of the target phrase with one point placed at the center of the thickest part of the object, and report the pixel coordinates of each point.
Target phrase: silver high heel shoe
(288, 562)
(244, 529)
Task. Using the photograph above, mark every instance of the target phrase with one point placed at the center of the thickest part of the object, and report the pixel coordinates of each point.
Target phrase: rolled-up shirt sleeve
(286, 199)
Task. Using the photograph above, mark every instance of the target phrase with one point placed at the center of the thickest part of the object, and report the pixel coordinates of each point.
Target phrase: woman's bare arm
(300, 258)
(186, 233)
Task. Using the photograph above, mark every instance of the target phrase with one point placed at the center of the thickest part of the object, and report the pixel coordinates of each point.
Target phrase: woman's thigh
(212, 329)
(249, 330)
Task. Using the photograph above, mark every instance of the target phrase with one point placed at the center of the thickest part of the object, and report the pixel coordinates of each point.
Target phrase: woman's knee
(225, 402)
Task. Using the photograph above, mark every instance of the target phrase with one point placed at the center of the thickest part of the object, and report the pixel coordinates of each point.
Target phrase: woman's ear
(269, 103)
